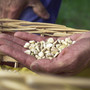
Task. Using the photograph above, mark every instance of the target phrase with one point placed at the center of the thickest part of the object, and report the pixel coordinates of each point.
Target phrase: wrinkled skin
(70, 61)
(13, 8)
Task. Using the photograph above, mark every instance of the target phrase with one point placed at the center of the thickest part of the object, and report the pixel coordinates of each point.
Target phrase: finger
(13, 39)
(20, 56)
(73, 37)
(11, 44)
(84, 35)
(27, 36)
(42, 65)
(9, 33)
(39, 9)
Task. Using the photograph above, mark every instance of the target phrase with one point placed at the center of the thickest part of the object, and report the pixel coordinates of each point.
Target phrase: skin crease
(69, 62)
(13, 8)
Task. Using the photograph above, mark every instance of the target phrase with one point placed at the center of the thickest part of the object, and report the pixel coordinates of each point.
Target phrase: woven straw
(42, 82)
(36, 27)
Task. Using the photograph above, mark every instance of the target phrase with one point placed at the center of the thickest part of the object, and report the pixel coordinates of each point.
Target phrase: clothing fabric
(52, 7)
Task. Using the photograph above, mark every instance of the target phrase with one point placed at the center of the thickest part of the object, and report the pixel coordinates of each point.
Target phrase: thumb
(39, 9)
(42, 65)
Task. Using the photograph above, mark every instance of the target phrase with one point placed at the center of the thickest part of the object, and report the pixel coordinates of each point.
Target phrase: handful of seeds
(49, 49)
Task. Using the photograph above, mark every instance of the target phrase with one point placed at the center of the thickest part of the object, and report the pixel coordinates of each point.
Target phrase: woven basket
(9, 80)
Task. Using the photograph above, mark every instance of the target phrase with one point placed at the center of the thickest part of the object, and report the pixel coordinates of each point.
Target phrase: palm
(70, 61)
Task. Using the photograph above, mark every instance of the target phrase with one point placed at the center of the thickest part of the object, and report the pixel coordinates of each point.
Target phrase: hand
(13, 8)
(70, 61)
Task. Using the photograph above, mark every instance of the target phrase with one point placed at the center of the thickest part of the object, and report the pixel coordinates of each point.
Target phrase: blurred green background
(75, 13)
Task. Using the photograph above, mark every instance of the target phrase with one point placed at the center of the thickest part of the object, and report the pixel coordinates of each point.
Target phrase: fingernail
(46, 16)
(34, 67)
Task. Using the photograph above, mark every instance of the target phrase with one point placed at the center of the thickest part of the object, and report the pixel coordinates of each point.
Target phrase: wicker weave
(35, 27)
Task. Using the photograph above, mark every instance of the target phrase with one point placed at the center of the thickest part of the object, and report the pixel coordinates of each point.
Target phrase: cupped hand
(13, 8)
(70, 61)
